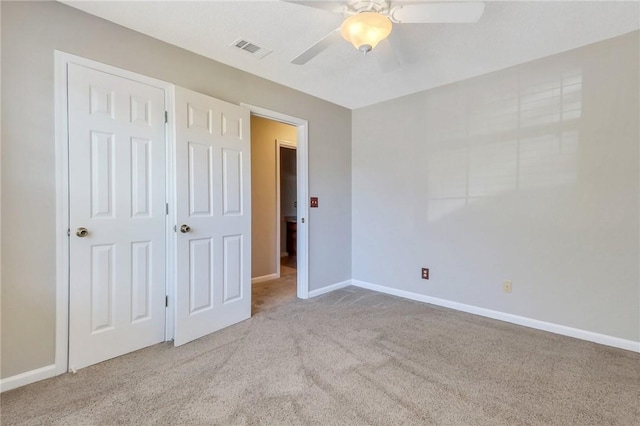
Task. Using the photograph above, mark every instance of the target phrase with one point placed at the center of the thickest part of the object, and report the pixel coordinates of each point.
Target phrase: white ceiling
(430, 55)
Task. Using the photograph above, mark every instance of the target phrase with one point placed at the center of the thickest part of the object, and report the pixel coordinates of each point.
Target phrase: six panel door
(214, 215)
(117, 218)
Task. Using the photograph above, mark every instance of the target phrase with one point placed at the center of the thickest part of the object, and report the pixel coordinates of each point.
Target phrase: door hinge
(68, 232)
(167, 208)
(166, 301)
(166, 116)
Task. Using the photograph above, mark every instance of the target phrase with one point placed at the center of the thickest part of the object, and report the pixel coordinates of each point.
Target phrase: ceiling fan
(368, 23)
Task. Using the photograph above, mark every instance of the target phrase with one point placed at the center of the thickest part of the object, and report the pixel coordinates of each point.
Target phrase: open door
(213, 213)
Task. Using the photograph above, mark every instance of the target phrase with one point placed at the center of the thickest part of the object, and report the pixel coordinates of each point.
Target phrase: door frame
(61, 62)
(280, 143)
(302, 181)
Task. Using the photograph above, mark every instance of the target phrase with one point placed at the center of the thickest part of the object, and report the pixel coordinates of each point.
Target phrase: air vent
(251, 48)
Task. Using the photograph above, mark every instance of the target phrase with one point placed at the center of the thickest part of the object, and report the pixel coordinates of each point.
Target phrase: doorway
(300, 136)
(282, 258)
(273, 213)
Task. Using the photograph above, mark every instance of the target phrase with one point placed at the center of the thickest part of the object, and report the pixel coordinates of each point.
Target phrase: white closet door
(117, 181)
(213, 196)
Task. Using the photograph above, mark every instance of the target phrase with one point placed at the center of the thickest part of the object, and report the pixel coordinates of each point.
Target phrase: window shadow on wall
(517, 137)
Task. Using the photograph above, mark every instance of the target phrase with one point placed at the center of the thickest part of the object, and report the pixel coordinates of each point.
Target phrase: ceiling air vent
(250, 48)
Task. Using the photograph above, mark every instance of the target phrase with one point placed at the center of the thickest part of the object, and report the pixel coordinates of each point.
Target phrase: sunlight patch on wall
(515, 140)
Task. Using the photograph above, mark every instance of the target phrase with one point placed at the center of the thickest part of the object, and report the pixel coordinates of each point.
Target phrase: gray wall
(30, 33)
(529, 174)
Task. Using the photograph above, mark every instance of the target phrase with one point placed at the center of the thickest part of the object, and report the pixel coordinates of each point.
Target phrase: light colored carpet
(349, 357)
(269, 294)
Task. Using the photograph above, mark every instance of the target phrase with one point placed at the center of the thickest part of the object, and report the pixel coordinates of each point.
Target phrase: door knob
(185, 228)
(82, 232)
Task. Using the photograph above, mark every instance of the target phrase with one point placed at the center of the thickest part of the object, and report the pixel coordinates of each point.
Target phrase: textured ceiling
(430, 55)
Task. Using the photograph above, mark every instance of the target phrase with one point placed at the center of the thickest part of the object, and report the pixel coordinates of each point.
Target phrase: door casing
(302, 196)
(61, 61)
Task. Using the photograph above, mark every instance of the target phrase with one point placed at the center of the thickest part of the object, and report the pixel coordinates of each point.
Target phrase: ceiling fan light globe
(365, 30)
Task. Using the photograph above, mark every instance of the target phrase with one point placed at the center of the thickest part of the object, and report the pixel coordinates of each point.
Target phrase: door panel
(200, 275)
(102, 152)
(232, 182)
(140, 177)
(200, 179)
(141, 267)
(232, 273)
(213, 198)
(101, 287)
(117, 182)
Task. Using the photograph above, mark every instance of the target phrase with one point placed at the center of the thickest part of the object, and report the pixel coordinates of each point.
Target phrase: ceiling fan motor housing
(358, 6)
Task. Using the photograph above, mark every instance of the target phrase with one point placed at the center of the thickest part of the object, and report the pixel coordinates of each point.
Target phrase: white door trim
(290, 145)
(302, 169)
(61, 60)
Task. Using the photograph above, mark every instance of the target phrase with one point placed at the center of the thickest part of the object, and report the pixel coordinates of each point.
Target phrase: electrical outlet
(507, 286)
(425, 273)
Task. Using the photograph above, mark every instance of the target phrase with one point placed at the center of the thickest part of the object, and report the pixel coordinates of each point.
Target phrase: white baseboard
(265, 278)
(329, 288)
(27, 377)
(577, 333)
(284, 254)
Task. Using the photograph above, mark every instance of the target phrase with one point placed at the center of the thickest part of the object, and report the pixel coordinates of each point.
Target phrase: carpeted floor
(349, 357)
(269, 294)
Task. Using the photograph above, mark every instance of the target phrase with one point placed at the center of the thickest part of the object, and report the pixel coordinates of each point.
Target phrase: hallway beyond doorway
(270, 294)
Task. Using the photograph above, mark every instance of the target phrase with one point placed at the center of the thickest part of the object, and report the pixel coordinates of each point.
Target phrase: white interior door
(213, 213)
(117, 182)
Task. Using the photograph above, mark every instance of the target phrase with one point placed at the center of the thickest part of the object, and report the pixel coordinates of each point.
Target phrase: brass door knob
(82, 232)
(185, 228)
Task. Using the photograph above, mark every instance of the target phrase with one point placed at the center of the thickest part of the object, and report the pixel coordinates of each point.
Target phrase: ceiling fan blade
(451, 12)
(386, 56)
(317, 48)
(331, 6)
